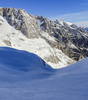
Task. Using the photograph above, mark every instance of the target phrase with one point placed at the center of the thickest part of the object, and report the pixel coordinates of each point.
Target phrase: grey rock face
(72, 40)
(53, 59)
(22, 21)
(8, 43)
(1, 11)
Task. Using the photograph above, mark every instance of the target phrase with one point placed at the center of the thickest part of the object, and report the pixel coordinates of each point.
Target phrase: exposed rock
(53, 59)
(66, 34)
(1, 11)
(8, 43)
(22, 21)
(21, 39)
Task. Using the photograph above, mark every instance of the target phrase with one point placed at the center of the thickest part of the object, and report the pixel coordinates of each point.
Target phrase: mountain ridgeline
(70, 39)
(86, 28)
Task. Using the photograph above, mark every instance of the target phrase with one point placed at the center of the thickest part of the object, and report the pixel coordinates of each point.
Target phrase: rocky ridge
(72, 40)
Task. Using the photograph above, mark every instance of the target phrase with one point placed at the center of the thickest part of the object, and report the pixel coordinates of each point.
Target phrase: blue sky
(68, 10)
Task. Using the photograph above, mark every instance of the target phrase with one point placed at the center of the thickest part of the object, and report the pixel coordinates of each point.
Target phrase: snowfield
(25, 76)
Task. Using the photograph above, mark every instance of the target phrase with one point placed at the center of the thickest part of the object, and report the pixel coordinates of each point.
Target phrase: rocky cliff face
(22, 21)
(70, 39)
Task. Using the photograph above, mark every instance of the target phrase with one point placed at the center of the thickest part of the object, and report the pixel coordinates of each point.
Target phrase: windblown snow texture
(25, 76)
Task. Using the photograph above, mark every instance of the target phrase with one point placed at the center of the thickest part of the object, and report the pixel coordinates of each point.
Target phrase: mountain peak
(61, 22)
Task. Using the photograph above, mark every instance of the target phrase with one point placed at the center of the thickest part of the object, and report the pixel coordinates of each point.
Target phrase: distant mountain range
(59, 43)
(86, 28)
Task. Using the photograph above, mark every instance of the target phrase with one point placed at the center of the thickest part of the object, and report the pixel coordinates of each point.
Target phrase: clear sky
(68, 10)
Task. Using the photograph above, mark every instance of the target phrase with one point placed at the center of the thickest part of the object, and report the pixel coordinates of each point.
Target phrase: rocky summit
(64, 38)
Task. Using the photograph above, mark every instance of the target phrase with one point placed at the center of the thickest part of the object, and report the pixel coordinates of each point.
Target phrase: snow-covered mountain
(63, 23)
(59, 43)
(72, 40)
(86, 28)
(11, 37)
(25, 76)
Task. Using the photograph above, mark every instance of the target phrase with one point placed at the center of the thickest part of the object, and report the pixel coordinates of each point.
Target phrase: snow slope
(25, 76)
(11, 37)
(62, 23)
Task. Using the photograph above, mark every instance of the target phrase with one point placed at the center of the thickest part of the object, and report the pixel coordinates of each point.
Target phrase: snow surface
(61, 22)
(11, 37)
(25, 76)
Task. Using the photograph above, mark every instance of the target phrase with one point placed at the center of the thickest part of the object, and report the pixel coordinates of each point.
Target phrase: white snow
(38, 45)
(69, 23)
(61, 22)
(73, 46)
(24, 76)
